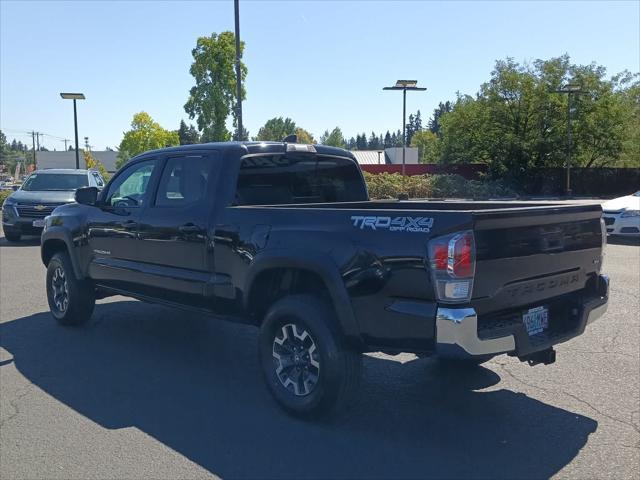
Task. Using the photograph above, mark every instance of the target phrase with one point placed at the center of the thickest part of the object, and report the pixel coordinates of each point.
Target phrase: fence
(584, 181)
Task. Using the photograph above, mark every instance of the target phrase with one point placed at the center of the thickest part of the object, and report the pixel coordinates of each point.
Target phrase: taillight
(453, 264)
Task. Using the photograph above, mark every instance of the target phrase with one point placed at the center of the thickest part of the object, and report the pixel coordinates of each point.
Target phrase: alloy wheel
(296, 359)
(60, 290)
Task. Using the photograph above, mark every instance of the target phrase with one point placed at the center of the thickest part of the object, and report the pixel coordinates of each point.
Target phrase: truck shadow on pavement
(28, 241)
(194, 384)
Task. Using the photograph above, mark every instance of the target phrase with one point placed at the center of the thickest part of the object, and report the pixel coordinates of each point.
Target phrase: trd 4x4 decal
(394, 224)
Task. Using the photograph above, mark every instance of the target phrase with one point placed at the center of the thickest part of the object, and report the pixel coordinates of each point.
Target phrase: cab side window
(184, 181)
(129, 188)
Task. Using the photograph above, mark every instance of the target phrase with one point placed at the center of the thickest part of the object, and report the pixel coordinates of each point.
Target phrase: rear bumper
(457, 330)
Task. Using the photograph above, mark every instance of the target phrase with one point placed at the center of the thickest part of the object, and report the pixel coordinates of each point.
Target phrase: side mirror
(87, 195)
(15, 187)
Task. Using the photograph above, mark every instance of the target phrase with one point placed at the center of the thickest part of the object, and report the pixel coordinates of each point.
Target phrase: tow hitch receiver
(547, 357)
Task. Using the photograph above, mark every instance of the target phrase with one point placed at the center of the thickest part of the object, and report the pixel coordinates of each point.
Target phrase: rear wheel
(71, 301)
(12, 236)
(305, 361)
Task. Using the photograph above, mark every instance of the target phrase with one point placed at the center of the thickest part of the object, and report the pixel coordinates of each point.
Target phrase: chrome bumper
(459, 327)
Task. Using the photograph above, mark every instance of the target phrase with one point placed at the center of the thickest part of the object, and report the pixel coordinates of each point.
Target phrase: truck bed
(526, 251)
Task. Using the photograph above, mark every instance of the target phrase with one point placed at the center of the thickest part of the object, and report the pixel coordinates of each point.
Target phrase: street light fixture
(74, 97)
(569, 89)
(404, 85)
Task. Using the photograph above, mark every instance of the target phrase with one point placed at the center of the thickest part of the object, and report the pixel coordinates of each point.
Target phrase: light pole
(236, 5)
(74, 97)
(405, 85)
(569, 89)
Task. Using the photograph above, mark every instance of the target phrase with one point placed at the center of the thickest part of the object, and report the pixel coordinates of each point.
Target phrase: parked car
(23, 211)
(284, 236)
(622, 215)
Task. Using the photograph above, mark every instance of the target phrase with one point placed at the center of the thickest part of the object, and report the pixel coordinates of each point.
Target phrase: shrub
(391, 185)
(4, 194)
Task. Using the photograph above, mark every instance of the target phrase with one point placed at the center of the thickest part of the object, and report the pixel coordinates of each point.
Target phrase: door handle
(189, 228)
(129, 225)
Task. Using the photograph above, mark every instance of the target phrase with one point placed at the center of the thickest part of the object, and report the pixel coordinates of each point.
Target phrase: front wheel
(71, 301)
(305, 361)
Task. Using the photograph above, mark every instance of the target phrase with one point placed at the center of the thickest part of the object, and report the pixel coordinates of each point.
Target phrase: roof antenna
(293, 138)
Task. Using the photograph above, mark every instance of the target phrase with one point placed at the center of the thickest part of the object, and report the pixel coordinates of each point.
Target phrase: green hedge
(392, 185)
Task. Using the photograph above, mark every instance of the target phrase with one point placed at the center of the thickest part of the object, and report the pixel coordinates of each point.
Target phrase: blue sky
(321, 63)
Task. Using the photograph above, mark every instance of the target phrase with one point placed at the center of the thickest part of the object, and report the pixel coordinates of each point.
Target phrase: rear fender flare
(322, 265)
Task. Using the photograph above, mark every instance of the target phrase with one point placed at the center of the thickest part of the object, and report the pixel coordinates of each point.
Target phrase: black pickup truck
(284, 236)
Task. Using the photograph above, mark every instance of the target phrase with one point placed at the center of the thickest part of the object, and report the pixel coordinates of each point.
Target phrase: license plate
(536, 320)
(38, 223)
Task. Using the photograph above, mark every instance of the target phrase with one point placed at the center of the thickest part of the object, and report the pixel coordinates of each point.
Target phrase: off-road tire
(71, 301)
(339, 366)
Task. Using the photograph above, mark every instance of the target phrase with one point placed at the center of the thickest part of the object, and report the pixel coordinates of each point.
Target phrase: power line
(28, 133)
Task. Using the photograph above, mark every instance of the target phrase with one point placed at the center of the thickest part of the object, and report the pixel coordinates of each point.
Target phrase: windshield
(286, 179)
(39, 182)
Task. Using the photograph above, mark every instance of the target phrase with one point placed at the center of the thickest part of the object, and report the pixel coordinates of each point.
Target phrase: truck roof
(253, 147)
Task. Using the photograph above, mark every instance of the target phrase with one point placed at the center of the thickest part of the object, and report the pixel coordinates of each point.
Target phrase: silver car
(24, 211)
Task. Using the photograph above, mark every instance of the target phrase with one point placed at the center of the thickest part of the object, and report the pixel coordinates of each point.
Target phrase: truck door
(175, 246)
(112, 227)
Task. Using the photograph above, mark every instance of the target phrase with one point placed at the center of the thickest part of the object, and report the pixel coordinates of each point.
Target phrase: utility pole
(238, 72)
(570, 89)
(65, 143)
(38, 140)
(33, 142)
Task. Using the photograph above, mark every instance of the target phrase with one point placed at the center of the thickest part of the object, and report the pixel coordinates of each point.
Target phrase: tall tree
(214, 95)
(428, 145)
(145, 134)
(414, 125)
(517, 122)
(361, 142)
(398, 138)
(374, 142)
(434, 121)
(304, 136)
(275, 129)
(188, 135)
(333, 138)
(388, 141)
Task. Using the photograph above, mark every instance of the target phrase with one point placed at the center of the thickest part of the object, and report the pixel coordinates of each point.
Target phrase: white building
(388, 156)
(67, 159)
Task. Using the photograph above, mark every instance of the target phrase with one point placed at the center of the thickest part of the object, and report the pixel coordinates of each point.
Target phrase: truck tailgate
(530, 254)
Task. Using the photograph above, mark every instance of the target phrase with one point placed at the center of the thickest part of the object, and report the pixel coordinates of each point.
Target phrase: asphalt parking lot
(143, 391)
